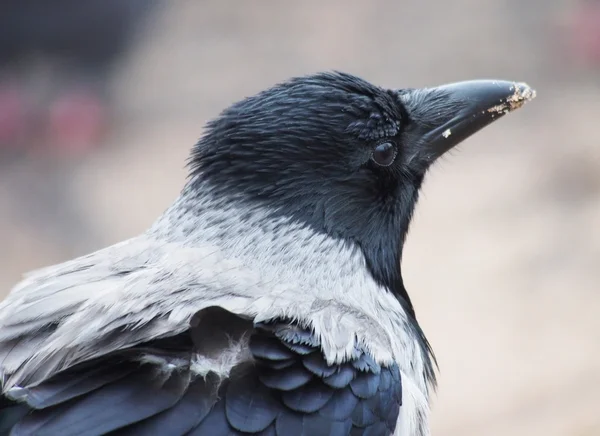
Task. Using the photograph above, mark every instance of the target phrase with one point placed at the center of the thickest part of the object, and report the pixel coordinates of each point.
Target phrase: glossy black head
(341, 155)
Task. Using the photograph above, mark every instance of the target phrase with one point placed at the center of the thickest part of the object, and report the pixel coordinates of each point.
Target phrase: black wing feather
(309, 398)
(113, 406)
(193, 407)
(287, 389)
(65, 387)
(250, 406)
(215, 424)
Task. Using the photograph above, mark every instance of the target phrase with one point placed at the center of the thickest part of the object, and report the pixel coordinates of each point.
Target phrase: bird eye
(384, 154)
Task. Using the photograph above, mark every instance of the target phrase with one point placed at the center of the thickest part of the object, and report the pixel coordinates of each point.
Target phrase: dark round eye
(384, 154)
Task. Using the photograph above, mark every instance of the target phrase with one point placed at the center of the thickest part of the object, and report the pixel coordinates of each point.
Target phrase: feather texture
(161, 394)
(153, 288)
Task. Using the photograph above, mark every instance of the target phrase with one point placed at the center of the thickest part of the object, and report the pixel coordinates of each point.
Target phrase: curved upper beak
(456, 111)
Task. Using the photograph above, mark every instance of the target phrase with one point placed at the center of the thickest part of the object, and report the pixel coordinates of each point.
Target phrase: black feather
(377, 429)
(215, 424)
(316, 364)
(11, 413)
(286, 379)
(249, 405)
(269, 431)
(276, 364)
(341, 405)
(318, 425)
(365, 384)
(116, 405)
(308, 398)
(290, 424)
(363, 415)
(385, 381)
(269, 348)
(297, 394)
(299, 348)
(183, 416)
(71, 384)
(341, 378)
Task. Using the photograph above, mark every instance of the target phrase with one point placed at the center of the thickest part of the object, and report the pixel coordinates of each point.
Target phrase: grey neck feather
(326, 269)
(286, 252)
(293, 251)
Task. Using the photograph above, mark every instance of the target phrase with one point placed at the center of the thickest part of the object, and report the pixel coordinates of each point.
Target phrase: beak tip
(521, 94)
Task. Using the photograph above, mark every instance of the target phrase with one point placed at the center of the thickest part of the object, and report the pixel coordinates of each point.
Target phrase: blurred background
(101, 100)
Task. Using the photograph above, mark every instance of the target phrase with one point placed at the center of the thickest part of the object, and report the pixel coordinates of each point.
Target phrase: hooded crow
(268, 299)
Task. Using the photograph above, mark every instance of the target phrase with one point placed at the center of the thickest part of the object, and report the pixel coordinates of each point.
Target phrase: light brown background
(503, 260)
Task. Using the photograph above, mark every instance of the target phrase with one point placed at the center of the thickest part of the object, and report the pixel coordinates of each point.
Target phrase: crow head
(343, 156)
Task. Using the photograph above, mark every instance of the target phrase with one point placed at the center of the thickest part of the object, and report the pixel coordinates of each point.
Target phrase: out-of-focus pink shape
(76, 121)
(586, 32)
(12, 116)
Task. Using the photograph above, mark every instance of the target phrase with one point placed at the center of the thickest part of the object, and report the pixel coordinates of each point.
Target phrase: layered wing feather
(278, 383)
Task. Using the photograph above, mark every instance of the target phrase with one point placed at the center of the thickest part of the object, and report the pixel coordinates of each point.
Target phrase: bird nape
(268, 299)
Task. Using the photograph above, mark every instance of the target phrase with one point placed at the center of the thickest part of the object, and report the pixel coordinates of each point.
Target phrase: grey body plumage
(268, 298)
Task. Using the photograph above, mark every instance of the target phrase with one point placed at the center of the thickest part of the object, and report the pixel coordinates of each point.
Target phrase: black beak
(449, 114)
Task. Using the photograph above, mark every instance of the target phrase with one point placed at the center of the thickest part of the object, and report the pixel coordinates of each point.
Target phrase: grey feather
(151, 287)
